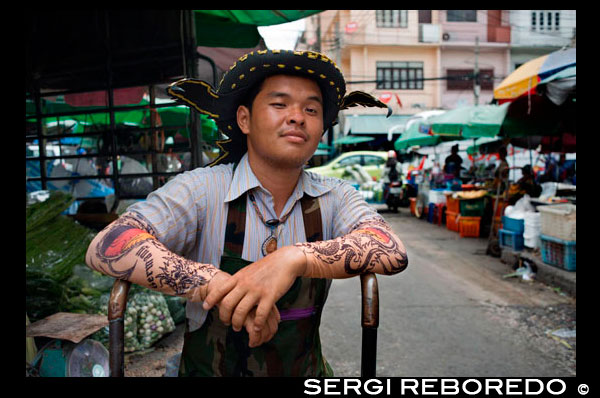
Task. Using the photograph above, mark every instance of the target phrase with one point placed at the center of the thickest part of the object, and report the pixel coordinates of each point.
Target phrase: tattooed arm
(371, 247)
(127, 249)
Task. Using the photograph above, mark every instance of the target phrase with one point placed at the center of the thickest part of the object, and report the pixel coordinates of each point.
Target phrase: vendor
(453, 163)
(525, 186)
(501, 172)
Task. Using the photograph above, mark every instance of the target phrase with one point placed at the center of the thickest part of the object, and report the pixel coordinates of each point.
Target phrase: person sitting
(526, 185)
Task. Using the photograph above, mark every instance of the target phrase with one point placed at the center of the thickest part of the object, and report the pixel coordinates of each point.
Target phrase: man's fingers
(228, 305)
(216, 293)
(242, 309)
(262, 312)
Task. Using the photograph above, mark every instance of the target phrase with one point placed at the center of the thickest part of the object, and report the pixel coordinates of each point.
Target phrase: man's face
(286, 122)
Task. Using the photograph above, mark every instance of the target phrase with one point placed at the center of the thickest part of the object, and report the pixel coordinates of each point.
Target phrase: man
(453, 162)
(254, 241)
(502, 170)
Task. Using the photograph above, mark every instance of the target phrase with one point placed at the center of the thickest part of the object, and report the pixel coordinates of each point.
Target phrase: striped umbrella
(527, 76)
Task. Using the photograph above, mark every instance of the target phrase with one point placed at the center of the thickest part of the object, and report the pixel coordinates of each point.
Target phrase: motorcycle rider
(392, 171)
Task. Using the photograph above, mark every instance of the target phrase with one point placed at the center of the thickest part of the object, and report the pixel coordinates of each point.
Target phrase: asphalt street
(451, 314)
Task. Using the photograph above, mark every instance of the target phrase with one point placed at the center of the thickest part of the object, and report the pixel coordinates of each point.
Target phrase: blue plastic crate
(510, 239)
(559, 253)
(513, 224)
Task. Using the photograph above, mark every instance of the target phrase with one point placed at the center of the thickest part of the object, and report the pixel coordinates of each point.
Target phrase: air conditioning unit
(446, 36)
(429, 33)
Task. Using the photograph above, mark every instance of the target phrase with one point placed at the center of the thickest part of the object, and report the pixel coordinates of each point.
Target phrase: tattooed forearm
(127, 250)
(370, 247)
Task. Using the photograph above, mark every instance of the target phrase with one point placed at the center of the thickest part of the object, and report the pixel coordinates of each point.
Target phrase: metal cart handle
(116, 328)
(369, 322)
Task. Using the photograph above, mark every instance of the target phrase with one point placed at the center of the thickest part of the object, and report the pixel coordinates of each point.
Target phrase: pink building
(415, 59)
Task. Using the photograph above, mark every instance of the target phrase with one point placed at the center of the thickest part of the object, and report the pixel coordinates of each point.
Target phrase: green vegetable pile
(55, 245)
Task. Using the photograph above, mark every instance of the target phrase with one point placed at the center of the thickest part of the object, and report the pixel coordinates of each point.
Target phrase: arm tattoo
(370, 244)
(162, 267)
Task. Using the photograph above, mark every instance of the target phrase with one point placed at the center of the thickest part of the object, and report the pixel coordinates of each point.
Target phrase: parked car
(371, 161)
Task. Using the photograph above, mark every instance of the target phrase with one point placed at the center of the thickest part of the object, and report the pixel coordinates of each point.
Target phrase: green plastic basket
(472, 207)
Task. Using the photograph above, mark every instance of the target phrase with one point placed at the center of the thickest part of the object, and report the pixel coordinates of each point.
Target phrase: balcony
(429, 33)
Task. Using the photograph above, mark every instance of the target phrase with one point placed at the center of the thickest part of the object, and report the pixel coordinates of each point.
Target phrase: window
(400, 75)
(370, 160)
(349, 161)
(462, 79)
(391, 18)
(461, 15)
(545, 20)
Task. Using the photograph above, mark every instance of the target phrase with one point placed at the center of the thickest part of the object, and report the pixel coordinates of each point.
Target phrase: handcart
(117, 305)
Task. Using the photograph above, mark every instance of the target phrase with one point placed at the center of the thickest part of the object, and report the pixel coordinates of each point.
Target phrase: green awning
(238, 28)
(470, 121)
(350, 139)
(412, 136)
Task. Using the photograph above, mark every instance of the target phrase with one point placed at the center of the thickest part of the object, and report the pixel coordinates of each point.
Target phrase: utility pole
(318, 47)
(476, 85)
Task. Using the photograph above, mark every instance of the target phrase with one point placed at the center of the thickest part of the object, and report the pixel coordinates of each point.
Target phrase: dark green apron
(295, 350)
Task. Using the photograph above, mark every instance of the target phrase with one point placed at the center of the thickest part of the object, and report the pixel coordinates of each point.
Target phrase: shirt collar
(244, 180)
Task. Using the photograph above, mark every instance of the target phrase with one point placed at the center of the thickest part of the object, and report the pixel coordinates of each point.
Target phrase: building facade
(417, 60)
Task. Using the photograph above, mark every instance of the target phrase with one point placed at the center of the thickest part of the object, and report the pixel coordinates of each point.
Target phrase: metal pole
(476, 86)
(111, 113)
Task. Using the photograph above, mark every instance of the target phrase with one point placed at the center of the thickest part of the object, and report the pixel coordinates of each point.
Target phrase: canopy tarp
(238, 28)
(412, 136)
(470, 121)
(351, 139)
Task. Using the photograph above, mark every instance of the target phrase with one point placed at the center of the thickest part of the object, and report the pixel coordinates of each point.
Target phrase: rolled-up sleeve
(175, 211)
(350, 209)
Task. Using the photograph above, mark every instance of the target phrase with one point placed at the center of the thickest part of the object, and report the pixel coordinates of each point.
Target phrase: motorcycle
(394, 196)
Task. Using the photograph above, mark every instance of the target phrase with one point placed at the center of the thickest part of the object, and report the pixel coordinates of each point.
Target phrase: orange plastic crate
(468, 227)
(452, 220)
(452, 204)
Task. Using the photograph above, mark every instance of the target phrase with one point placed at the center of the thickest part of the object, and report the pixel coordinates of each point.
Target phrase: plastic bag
(518, 211)
(153, 317)
(147, 319)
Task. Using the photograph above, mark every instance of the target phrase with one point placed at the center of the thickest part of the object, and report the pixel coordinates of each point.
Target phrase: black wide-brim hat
(252, 68)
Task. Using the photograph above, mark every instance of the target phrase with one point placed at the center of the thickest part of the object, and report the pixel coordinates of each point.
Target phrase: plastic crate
(559, 221)
(452, 220)
(558, 252)
(472, 207)
(452, 204)
(511, 239)
(435, 212)
(468, 227)
(513, 224)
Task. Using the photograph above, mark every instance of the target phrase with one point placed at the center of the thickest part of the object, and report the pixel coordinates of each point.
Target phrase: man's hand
(259, 285)
(259, 337)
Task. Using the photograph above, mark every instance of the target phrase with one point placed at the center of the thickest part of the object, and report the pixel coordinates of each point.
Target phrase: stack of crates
(469, 222)
(511, 234)
(559, 235)
(452, 213)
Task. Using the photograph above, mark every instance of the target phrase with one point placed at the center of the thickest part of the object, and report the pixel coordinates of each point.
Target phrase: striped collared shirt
(189, 214)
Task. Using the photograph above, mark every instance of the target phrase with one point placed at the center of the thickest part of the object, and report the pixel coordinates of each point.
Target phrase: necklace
(270, 244)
